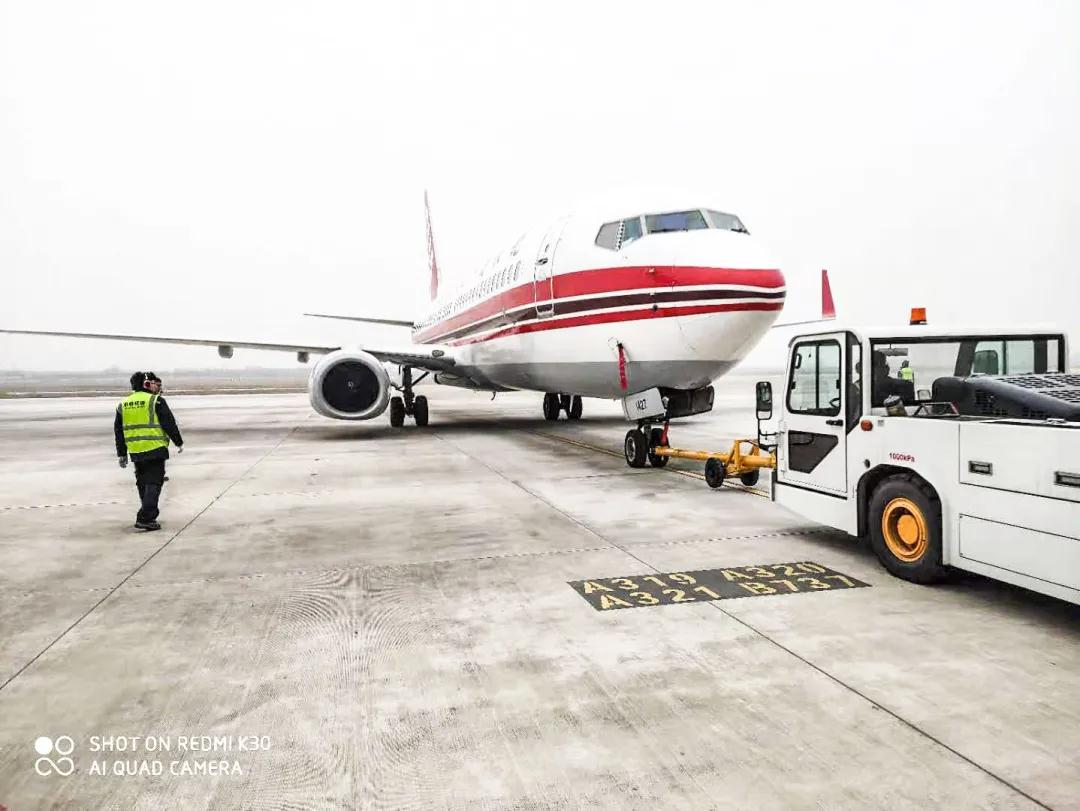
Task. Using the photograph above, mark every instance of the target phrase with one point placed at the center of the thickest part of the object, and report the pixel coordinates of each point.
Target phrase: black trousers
(149, 478)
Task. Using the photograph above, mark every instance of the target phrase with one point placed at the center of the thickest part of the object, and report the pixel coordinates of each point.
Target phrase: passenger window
(608, 236)
(631, 231)
(814, 386)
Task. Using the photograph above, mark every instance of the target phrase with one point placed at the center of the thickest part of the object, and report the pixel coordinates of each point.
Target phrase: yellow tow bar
(746, 465)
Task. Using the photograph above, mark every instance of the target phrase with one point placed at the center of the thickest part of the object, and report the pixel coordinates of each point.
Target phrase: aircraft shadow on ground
(381, 431)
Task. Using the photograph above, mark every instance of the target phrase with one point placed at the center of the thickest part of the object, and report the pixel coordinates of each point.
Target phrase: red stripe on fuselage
(600, 280)
(622, 315)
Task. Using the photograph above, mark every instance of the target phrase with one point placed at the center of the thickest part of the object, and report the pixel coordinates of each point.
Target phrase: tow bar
(746, 464)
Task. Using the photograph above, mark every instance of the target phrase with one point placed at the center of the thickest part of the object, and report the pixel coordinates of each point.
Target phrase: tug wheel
(714, 473)
(635, 447)
(656, 435)
(905, 529)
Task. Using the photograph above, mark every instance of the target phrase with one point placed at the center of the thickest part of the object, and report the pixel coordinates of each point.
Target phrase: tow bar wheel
(905, 529)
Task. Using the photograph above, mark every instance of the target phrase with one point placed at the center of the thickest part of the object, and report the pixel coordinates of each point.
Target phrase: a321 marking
(711, 584)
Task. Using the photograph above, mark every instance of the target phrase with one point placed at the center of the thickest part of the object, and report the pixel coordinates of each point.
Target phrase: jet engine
(349, 384)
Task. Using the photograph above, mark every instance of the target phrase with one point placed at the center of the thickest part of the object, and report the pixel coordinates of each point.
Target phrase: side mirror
(764, 400)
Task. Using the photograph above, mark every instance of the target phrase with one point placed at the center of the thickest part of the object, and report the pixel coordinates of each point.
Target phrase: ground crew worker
(142, 428)
(906, 372)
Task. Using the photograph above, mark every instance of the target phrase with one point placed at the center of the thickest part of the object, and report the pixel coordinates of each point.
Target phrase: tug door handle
(834, 422)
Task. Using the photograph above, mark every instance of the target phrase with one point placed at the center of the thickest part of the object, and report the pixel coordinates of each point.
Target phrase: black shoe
(149, 526)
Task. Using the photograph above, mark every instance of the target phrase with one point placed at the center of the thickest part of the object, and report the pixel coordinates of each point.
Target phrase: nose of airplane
(731, 291)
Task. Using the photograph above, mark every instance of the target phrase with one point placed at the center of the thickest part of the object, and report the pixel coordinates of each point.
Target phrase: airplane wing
(424, 356)
(828, 309)
(393, 322)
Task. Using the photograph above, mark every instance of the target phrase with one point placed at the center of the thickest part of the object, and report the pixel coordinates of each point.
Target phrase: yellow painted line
(757, 491)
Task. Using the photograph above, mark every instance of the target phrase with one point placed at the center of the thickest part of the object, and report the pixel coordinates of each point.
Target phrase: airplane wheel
(397, 412)
(551, 407)
(714, 473)
(905, 529)
(655, 436)
(635, 447)
(420, 411)
(750, 479)
(575, 408)
(564, 403)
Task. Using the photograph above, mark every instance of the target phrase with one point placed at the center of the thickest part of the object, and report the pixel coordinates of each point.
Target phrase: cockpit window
(727, 222)
(675, 221)
(618, 234)
(608, 236)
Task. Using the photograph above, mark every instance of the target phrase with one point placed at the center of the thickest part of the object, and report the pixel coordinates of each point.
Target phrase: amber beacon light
(918, 315)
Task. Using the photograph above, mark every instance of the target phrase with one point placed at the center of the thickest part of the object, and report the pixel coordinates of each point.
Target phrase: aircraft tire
(750, 479)
(635, 447)
(397, 412)
(575, 408)
(551, 407)
(420, 411)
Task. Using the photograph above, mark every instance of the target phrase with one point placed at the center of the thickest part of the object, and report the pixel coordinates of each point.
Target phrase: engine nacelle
(349, 384)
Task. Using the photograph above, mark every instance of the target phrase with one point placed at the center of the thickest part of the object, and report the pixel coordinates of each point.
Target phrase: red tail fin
(433, 263)
(828, 309)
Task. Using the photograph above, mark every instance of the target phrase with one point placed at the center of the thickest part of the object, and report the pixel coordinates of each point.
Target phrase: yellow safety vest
(142, 432)
(907, 373)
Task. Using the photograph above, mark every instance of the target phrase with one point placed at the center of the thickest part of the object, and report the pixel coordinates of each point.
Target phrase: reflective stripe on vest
(142, 432)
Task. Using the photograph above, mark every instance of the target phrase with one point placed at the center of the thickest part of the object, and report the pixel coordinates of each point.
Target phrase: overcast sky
(215, 169)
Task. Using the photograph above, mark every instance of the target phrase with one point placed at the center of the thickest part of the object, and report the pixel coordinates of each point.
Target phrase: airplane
(604, 303)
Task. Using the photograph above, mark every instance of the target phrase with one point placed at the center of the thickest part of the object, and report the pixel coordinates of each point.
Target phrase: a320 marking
(637, 591)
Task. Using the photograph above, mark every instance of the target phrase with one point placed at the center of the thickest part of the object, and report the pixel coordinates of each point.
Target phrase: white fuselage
(550, 313)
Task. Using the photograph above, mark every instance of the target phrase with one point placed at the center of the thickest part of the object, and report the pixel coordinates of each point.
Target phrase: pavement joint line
(688, 473)
(836, 679)
(53, 506)
(139, 568)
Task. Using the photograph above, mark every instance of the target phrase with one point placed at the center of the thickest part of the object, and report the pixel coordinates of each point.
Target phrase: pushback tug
(957, 448)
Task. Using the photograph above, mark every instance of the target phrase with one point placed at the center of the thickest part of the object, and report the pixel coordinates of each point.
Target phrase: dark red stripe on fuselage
(595, 282)
(622, 315)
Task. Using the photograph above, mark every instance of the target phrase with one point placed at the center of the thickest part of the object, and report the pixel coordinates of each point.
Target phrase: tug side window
(814, 385)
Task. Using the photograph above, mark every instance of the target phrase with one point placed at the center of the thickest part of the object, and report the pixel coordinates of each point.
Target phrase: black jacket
(168, 425)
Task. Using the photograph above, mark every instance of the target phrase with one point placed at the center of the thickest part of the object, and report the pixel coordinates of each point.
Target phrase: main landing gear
(554, 403)
(409, 405)
(649, 443)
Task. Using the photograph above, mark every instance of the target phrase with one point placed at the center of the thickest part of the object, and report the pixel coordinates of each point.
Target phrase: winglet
(828, 309)
(433, 263)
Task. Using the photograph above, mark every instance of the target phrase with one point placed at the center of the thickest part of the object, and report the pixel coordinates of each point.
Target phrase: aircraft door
(544, 271)
(813, 441)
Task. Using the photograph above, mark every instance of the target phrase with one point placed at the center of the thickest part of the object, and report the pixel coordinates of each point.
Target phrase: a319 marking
(638, 591)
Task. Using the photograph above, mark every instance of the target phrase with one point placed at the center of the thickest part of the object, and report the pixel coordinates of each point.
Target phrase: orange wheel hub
(905, 530)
